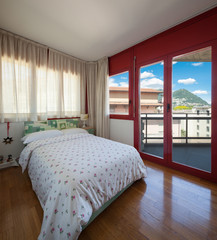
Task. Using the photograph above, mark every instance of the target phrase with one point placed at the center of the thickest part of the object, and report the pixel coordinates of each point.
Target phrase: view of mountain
(184, 97)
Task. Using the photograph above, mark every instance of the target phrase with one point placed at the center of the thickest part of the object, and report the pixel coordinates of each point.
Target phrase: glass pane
(119, 93)
(151, 109)
(192, 109)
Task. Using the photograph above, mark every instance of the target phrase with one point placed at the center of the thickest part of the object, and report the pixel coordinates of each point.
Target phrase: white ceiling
(91, 29)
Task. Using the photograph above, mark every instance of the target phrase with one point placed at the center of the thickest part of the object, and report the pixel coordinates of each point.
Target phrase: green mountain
(185, 97)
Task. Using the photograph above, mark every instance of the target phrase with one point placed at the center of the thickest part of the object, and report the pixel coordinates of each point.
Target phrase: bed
(75, 176)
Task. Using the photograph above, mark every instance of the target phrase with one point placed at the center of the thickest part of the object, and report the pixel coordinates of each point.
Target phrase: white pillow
(40, 135)
(73, 131)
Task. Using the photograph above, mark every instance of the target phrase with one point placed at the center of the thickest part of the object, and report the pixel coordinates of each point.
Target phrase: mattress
(74, 176)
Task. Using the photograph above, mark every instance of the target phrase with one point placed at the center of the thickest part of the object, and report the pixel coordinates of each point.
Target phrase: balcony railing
(182, 123)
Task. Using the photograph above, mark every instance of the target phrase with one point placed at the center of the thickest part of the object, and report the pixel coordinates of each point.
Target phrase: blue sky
(193, 76)
(120, 80)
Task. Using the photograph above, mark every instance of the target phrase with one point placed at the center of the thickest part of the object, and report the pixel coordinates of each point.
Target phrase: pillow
(73, 131)
(40, 135)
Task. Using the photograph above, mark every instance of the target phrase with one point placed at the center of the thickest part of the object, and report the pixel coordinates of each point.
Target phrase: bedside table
(90, 130)
(12, 163)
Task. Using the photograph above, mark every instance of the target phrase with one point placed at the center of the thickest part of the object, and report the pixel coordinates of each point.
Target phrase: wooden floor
(167, 205)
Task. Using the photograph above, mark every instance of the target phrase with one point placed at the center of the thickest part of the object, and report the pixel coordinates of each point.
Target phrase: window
(32, 93)
(37, 83)
(207, 129)
(71, 93)
(119, 93)
(23, 93)
(17, 82)
(63, 94)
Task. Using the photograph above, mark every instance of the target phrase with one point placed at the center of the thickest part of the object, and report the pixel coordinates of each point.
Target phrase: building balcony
(191, 138)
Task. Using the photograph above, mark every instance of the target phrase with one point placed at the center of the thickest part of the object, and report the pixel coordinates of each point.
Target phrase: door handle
(168, 107)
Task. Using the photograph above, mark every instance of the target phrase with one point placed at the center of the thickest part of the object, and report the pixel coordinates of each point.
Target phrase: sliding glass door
(151, 109)
(175, 111)
(191, 109)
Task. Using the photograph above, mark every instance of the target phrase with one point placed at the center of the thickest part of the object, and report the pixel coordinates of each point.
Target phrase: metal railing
(176, 116)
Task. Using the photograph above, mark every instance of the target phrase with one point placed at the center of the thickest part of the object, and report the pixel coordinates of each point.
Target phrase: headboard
(31, 126)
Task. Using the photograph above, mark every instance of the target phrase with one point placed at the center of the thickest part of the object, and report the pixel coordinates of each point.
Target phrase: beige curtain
(66, 82)
(98, 96)
(102, 99)
(91, 76)
(35, 85)
(23, 67)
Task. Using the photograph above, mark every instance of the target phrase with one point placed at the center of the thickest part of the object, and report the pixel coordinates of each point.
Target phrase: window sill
(124, 117)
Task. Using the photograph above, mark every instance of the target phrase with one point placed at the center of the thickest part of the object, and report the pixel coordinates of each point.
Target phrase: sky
(192, 76)
(120, 80)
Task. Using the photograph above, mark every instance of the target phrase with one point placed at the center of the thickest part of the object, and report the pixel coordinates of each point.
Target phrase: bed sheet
(74, 175)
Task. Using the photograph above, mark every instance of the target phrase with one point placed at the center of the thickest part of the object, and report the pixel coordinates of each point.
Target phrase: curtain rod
(15, 34)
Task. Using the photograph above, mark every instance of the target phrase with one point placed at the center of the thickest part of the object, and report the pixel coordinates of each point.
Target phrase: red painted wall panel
(197, 32)
(120, 62)
(192, 32)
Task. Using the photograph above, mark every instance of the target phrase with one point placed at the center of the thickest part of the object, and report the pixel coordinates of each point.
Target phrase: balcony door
(151, 85)
(191, 109)
(176, 99)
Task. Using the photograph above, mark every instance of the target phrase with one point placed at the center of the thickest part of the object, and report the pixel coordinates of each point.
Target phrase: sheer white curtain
(35, 85)
(23, 66)
(65, 79)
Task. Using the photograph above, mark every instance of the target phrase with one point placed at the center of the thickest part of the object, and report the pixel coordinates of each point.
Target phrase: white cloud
(125, 78)
(146, 75)
(187, 81)
(123, 84)
(162, 63)
(200, 92)
(197, 64)
(154, 83)
(112, 83)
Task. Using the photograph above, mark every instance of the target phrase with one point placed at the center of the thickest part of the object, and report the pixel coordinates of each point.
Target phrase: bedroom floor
(167, 205)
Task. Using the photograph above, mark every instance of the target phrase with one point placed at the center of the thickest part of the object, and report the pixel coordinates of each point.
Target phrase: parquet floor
(167, 205)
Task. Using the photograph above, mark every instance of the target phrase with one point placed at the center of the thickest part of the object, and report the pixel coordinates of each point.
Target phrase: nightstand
(12, 163)
(90, 130)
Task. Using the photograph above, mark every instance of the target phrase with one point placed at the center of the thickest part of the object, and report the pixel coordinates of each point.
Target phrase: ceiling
(201, 55)
(92, 29)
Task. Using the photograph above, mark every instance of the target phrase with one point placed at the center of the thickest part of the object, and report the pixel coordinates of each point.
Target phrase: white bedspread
(74, 175)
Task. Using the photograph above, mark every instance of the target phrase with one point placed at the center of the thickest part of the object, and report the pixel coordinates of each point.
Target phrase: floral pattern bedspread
(74, 175)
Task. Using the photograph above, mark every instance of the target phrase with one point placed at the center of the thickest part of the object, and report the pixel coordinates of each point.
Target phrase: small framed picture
(62, 125)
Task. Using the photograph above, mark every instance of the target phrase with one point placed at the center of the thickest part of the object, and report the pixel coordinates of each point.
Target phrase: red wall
(197, 32)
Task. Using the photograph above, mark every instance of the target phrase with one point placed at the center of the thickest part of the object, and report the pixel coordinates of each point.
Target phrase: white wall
(122, 131)
(16, 132)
